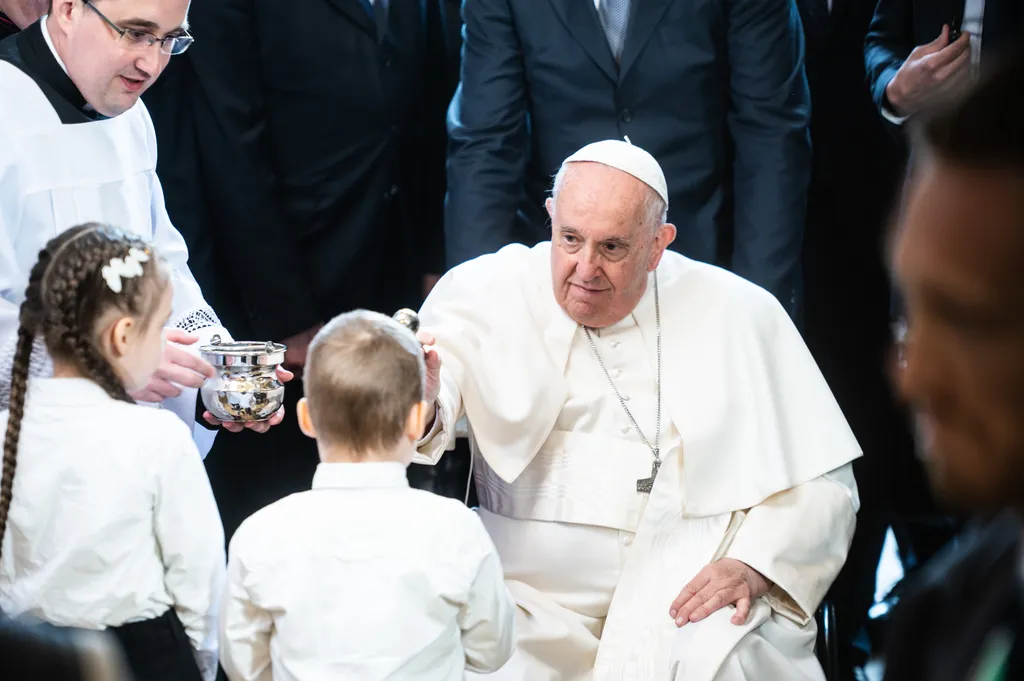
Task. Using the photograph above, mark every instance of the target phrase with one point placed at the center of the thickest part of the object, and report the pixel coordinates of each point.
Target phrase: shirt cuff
(889, 115)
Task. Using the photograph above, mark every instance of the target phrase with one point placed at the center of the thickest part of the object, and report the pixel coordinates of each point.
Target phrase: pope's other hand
(725, 582)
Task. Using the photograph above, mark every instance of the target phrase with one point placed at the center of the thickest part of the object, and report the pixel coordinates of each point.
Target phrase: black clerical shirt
(29, 52)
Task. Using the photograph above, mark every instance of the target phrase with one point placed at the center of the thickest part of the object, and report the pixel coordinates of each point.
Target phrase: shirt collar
(49, 42)
(86, 107)
(67, 391)
(360, 475)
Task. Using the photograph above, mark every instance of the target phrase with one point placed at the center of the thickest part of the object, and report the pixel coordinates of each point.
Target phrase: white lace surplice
(55, 176)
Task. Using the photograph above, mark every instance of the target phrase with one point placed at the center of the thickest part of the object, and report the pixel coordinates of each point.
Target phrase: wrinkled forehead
(592, 195)
(156, 16)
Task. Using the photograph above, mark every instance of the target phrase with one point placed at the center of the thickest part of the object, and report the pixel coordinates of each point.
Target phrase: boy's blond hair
(364, 374)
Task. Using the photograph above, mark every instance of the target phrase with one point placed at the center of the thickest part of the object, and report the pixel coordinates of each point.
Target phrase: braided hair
(66, 297)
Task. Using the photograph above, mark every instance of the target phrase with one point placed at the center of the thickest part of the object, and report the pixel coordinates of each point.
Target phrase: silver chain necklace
(644, 485)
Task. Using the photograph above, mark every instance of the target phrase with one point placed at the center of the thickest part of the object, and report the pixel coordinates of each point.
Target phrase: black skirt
(158, 649)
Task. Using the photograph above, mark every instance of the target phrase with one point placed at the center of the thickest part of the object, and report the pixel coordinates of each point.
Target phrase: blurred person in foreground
(958, 255)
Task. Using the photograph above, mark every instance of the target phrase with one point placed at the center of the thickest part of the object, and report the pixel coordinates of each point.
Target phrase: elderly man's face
(960, 259)
(602, 245)
(111, 74)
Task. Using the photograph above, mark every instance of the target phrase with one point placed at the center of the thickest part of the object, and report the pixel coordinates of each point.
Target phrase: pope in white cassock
(76, 146)
(659, 462)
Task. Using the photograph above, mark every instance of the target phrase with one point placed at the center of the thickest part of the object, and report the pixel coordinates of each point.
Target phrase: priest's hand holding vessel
(246, 387)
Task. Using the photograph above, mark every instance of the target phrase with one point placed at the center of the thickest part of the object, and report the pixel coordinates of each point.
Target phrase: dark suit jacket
(941, 626)
(901, 25)
(304, 164)
(857, 167)
(714, 89)
(856, 170)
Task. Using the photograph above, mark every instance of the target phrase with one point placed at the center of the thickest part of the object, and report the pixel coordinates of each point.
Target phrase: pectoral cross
(645, 485)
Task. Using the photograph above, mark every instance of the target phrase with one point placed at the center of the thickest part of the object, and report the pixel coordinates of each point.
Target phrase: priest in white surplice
(77, 146)
(662, 468)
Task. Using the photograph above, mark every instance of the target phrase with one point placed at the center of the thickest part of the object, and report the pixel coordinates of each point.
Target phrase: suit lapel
(581, 20)
(644, 18)
(359, 12)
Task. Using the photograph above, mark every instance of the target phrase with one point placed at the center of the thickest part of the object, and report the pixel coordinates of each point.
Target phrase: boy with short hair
(363, 577)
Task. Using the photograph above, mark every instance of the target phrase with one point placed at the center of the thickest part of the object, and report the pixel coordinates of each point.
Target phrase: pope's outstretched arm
(442, 394)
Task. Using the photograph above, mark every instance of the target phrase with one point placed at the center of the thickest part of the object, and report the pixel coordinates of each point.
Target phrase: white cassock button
(627, 540)
(614, 344)
(626, 429)
(625, 398)
(617, 373)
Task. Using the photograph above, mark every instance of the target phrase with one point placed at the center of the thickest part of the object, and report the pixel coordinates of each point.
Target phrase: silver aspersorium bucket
(246, 387)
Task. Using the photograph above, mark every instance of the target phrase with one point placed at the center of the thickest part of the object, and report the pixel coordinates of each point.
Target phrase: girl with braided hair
(107, 520)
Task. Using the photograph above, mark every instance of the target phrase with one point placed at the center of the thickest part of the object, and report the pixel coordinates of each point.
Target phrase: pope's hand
(725, 582)
(178, 367)
(284, 376)
(433, 361)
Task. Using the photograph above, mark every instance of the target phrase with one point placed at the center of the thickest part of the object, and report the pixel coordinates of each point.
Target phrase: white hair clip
(124, 268)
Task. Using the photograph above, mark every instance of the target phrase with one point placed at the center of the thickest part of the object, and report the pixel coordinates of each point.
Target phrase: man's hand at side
(931, 70)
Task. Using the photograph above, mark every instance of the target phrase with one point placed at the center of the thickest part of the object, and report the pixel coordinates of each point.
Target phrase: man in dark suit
(302, 151)
(856, 168)
(714, 90)
(913, 54)
(959, 255)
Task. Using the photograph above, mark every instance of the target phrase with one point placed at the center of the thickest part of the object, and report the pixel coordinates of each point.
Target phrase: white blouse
(364, 578)
(112, 518)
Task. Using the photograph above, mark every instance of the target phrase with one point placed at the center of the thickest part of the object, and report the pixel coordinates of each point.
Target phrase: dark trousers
(158, 649)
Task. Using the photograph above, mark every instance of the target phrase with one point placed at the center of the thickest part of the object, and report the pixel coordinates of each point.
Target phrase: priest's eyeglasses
(134, 39)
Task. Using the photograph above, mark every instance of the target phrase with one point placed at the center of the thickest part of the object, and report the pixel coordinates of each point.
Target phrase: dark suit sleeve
(487, 134)
(888, 44)
(262, 255)
(768, 121)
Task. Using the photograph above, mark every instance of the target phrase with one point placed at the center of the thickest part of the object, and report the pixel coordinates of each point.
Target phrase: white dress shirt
(364, 578)
(112, 518)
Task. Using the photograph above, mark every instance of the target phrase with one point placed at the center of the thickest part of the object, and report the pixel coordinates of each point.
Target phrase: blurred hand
(178, 368)
(284, 376)
(725, 582)
(297, 347)
(931, 70)
(429, 282)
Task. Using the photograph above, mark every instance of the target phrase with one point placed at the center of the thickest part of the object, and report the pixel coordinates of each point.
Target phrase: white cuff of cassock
(435, 443)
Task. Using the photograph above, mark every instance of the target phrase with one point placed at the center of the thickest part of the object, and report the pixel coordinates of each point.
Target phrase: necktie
(614, 19)
(380, 16)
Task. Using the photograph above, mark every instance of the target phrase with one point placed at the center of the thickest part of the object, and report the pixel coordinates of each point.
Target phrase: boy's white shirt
(363, 577)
